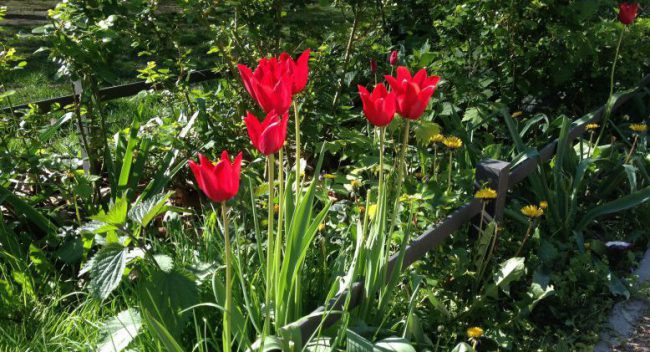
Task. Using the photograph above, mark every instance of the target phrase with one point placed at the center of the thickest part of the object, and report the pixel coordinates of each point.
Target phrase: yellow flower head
(532, 211)
(452, 142)
(321, 227)
(474, 332)
(639, 127)
(592, 126)
(486, 193)
(543, 204)
(372, 210)
(355, 183)
(437, 138)
(517, 114)
(276, 208)
(329, 176)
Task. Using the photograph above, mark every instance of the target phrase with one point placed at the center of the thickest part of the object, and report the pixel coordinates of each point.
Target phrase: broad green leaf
(106, 271)
(425, 130)
(161, 334)
(30, 213)
(165, 262)
(463, 347)
(271, 343)
(116, 214)
(47, 133)
(120, 330)
(394, 344)
(164, 295)
(623, 203)
(509, 271)
(357, 343)
(147, 210)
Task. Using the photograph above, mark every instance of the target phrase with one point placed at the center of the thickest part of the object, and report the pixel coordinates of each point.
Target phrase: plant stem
(278, 235)
(227, 313)
(297, 123)
(480, 224)
(591, 137)
(269, 246)
(451, 161)
(629, 155)
(382, 137)
(435, 161)
(401, 169)
(608, 107)
(530, 228)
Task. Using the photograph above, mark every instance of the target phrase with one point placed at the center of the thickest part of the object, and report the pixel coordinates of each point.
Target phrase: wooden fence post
(494, 174)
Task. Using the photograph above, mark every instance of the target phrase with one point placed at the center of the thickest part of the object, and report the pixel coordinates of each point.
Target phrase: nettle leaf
(120, 330)
(116, 214)
(509, 271)
(107, 268)
(147, 210)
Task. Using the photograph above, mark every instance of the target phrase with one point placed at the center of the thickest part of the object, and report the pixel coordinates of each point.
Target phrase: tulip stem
(401, 167)
(269, 245)
(227, 313)
(382, 137)
(609, 106)
(278, 235)
(435, 161)
(298, 178)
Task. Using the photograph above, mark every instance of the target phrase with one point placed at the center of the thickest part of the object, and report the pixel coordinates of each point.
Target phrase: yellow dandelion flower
(452, 142)
(592, 126)
(372, 210)
(486, 193)
(321, 227)
(639, 127)
(517, 114)
(532, 211)
(329, 176)
(543, 204)
(355, 183)
(474, 332)
(437, 138)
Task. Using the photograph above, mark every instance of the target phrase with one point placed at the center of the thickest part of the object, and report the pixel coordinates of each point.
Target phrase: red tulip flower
(271, 93)
(373, 66)
(220, 181)
(269, 135)
(379, 107)
(627, 12)
(275, 80)
(392, 59)
(413, 93)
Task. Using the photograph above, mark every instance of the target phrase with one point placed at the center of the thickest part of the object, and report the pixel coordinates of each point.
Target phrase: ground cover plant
(214, 216)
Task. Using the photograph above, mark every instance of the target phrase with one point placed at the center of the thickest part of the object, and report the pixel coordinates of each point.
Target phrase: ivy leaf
(107, 268)
(120, 330)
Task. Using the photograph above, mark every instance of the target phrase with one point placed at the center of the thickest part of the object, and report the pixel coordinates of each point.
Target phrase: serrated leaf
(107, 268)
(116, 214)
(147, 210)
(165, 262)
(472, 115)
(119, 331)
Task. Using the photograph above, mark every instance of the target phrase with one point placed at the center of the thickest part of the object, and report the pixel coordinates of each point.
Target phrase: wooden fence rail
(498, 175)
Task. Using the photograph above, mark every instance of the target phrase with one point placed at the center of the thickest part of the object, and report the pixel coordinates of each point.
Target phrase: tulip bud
(627, 12)
(393, 58)
(373, 66)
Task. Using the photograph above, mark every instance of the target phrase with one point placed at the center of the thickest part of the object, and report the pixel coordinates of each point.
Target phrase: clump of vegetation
(220, 215)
